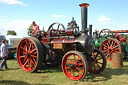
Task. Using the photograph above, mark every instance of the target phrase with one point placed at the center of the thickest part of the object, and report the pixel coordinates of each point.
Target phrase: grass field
(55, 76)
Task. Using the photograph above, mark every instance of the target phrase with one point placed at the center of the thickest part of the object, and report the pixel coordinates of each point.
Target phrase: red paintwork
(69, 32)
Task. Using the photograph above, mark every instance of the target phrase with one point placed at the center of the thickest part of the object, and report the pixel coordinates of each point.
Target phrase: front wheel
(75, 65)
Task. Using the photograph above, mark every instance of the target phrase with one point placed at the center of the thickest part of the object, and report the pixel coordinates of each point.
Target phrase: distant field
(55, 76)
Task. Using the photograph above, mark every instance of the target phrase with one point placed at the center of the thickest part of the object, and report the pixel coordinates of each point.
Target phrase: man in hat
(4, 54)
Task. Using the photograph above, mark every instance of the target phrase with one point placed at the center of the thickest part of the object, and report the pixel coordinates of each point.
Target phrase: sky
(18, 15)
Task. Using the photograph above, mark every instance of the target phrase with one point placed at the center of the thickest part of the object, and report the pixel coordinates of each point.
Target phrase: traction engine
(71, 48)
(110, 41)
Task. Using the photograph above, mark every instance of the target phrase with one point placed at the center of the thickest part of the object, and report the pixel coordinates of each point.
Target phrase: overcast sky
(18, 14)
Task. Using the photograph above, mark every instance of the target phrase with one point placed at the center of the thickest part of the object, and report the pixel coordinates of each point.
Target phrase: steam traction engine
(112, 41)
(74, 49)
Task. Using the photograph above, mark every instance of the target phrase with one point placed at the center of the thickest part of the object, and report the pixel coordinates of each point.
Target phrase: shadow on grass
(107, 74)
(12, 82)
(49, 69)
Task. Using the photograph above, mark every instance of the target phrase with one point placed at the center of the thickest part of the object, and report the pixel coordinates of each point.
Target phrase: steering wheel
(29, 32)
(106, 33)
(55, 27)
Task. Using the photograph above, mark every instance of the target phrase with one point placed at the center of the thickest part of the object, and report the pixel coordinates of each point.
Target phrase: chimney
(84, 7)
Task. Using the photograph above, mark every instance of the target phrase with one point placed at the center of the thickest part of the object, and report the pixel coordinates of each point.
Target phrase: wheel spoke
(69, 59)
(74, 58)
(33, 62)
(73, 73)
(23, 48)
(105, 45)
(67, 67)
(34, 53)
(78, 72)
(25, 62)
(22, 56)
(94, 67)
(109, 43)
(98, 65)
(116, 49)
(112, 44)
(96, 56)
(26, 43)
(79, 69)
(80, 64)
(115, 46)
(77, 60)
(69, 62)
(28, 62)
(104, 51)
(99, 62)
(33, 50)
(99, 58)
(33, 56)
(24, 59)
(30, 46)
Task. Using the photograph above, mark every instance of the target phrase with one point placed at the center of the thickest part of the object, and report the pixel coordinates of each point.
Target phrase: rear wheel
(30, 54)
(75, 65)
(97, 62)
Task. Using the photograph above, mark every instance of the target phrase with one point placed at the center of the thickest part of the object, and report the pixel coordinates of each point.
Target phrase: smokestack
(84, 7)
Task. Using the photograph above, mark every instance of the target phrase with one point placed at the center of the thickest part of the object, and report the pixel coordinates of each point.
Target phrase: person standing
(4, 54)
(35, 28)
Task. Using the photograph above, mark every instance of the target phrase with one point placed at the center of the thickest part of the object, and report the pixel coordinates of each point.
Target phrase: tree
(30, 27)
(11, 32)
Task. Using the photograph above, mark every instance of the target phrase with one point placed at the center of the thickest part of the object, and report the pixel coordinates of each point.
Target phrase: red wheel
(75, 65)
(30, 54)
(97, 62)
(109, 46)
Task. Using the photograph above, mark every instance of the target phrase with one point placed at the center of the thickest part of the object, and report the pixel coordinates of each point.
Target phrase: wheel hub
(27, 54)
(72, 66)
(110, 50)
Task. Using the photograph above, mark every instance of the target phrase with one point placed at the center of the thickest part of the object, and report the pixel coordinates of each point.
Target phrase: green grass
(55, 76)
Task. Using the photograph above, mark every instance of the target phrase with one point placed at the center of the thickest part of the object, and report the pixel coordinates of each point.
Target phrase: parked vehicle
(11, 49)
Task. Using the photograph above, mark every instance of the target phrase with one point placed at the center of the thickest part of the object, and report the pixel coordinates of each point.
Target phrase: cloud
(59, 16)
(13, 2)
(20, 26)
(103, 18)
